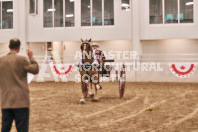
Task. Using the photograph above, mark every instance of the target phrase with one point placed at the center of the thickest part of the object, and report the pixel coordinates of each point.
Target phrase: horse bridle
(84, 46)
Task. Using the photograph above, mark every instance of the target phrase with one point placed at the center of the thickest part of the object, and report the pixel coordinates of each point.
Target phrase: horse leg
(83, 86)
(97, 86)
(82, 100)
(91, 94)
(96, 91)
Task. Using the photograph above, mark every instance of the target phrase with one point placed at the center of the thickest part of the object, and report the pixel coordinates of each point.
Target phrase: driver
(98, 54)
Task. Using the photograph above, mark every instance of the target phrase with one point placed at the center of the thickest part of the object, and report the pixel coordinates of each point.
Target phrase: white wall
(58, 46)
(120, 45)
(164, 76)
(69, 51)
(117, 45)
(4, 49)
(155, 39)
(161, 51)
(166, 31)
(38, 48)
(39, 51)
(167, 52)
(120, 31)
(171, 46)
(175, 50)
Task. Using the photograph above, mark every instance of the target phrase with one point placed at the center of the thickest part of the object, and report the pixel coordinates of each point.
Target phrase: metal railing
(162, 58)
(167, 58)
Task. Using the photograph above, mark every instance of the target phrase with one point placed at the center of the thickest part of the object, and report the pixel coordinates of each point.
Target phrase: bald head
(14, 44)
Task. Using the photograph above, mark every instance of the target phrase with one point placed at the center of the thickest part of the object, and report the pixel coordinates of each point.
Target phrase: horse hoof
(91, 95)
(98, 87)
(82, 101)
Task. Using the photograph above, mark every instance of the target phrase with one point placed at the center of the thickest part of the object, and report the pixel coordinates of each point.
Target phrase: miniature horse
(88, 72)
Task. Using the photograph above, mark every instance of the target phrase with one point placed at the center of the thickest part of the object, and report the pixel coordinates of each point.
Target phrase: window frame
(35, 8)
(1, 28)
(53, 27)
(178, 12)
(44, 16)
(64, 15)
(81, 14)
(91, 14)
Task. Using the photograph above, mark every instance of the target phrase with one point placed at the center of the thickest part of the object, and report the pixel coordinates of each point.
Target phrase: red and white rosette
(61, 70)
(182, 70)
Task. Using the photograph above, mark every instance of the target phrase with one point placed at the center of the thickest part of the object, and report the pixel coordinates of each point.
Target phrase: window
(156, 12)
(6, 15)
(171, 11)
(175, 11)
(186, 11)
(85, 13)
(97, 12)
(69, 13)
(108, 12)
(33, 6)
(125, 5)
(48, 12)
(58, 13)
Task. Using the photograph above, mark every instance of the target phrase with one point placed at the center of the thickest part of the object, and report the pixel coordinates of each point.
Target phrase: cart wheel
(122, 81)
(116, 76)
(121, 88)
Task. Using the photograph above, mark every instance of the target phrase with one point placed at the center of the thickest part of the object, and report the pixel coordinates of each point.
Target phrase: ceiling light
(9, 10)
(125, 5)
(69, 15)
(189, 3)
(51, 9)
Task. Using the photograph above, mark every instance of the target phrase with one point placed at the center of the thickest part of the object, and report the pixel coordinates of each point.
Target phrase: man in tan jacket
(15, 100)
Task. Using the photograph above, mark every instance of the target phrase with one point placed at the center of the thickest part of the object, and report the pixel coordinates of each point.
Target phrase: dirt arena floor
(160, 107)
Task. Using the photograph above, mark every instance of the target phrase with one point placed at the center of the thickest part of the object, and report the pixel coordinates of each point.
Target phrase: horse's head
(86, 51)
(85, 46)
